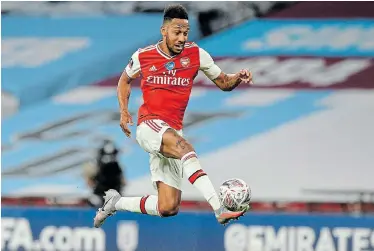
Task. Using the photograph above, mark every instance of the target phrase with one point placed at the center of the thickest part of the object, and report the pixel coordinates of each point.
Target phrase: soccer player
(167, 70)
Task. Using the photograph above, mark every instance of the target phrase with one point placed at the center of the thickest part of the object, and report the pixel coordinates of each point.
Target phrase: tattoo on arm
(227, 82)
(231, 82)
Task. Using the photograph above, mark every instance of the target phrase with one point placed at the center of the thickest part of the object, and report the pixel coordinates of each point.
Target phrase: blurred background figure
(104, 173)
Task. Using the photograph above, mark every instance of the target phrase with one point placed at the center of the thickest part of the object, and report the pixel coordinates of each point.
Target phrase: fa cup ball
(235, 194)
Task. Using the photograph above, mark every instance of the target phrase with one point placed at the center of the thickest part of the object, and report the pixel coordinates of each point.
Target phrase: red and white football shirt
(167, 81)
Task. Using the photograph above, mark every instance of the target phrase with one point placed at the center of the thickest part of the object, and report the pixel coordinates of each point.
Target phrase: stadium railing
(349, 207)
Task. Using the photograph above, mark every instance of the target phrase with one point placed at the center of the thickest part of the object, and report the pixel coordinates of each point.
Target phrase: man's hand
(245, 76)
(126, 119)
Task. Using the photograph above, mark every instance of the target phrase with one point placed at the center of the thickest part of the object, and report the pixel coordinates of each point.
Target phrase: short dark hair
(175, 11)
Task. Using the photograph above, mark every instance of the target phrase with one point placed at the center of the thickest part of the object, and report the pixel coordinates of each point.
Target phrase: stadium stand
(78, 104)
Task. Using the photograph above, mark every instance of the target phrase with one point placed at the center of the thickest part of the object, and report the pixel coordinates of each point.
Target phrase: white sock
(199, 179)
(145, 205)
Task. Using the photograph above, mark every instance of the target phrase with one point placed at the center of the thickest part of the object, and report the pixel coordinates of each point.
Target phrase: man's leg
(175, 146)
(114, 202)
(165, 204)
(169, 199)
(145, 205)
(166, 178)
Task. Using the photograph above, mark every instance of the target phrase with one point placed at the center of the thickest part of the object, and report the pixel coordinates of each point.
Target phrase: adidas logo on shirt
(153, 68)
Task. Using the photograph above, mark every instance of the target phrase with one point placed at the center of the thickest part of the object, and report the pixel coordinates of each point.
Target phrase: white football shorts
(167, 170)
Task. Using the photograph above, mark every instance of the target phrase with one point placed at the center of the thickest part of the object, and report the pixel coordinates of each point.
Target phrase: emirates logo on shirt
(168, 80)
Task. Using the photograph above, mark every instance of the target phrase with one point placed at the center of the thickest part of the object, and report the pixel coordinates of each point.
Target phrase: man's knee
(168, 209)
(169, 199)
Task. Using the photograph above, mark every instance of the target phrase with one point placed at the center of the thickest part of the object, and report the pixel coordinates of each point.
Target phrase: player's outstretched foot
(224, 216)
(108, 209)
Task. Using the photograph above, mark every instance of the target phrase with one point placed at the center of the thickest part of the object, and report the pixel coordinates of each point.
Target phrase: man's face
(176, 32)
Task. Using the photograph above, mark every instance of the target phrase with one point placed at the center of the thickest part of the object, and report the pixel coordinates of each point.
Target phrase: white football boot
(108, 209)
(224, 216)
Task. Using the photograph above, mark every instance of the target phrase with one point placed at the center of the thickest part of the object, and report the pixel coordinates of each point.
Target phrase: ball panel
(235, 194)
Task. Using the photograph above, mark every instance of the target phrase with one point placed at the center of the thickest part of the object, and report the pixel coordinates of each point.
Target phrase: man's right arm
(124, 91)
(131, 72)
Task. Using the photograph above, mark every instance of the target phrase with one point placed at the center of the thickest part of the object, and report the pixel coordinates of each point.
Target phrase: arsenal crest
(185, 62)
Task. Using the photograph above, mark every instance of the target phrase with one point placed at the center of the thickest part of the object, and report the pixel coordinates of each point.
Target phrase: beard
(170, 47)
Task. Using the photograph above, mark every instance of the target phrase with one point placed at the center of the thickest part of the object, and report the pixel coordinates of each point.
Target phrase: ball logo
(170, 66)
(185, 62)
(229, 202)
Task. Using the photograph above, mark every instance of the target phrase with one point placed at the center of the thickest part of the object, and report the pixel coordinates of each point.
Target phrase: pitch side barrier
(71, 229)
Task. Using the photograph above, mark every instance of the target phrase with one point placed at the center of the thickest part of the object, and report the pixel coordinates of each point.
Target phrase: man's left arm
(228, 82)
(224, 81)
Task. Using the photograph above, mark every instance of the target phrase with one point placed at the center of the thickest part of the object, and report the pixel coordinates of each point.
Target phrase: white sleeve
(133, 67)
(208, 66)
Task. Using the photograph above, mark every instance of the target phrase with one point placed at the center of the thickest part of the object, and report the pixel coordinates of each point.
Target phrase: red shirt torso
(166, 83)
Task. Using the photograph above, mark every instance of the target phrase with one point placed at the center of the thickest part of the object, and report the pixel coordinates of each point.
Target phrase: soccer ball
(235, 194)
